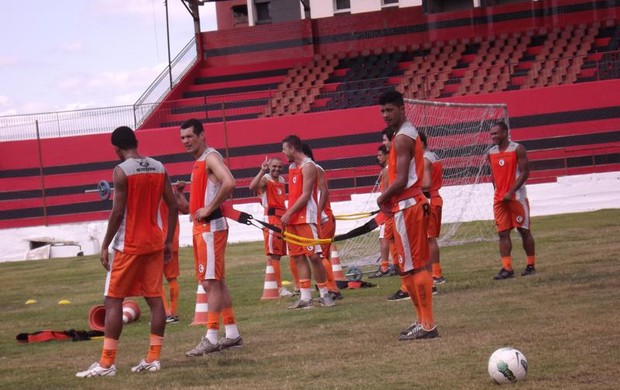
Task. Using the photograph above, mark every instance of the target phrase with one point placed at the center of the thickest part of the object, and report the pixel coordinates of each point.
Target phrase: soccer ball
(507, 365)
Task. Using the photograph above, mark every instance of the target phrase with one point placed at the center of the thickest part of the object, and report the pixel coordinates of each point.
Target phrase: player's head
(382, 155)
(291, 145)
(193, 137)
(275, 167)
(499, 132)
(387, 135)
(123, 139)
(393, 109)
(305, 148)
(423, 139)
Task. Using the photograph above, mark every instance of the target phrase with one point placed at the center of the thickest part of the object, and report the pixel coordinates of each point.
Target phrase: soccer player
(301, 219)
(171, 269)
(212, 184)
(509, 170)
(327, 226)
(140, 250)
(403, 199)
(431, 183)
(271, 188)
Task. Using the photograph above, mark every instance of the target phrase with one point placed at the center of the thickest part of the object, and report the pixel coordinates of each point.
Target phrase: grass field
(564, 319)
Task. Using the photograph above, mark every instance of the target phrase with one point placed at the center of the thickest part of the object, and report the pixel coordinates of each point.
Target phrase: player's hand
(105, 258)
(202, 214)
(167, 252)
(180, 186)
(286, 218)
(265, 165)
(508, 196)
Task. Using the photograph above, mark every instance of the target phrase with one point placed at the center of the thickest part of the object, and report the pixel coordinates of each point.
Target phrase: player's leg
(503, 222)
(434, 229)
(522, 222)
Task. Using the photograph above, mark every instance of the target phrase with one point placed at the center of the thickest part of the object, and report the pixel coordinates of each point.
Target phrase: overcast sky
(71, 54)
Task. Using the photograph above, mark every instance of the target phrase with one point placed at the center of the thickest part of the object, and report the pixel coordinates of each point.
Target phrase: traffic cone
(131, 312)
(96, 317)
(336, 266)
(270, 289)
(202, 307)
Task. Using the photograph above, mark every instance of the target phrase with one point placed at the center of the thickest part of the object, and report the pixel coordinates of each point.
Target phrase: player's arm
(309, 174)
(403, 145)
(116, 216)
(492, 178)
(524, 168)
(171, 202)
(222, 174)
(180, 199)
(258, 184)
(323, 188)
(384, 178)
(428, 173)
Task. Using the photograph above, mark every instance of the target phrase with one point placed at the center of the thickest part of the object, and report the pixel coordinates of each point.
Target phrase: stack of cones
(270, 289)
(336, 266)
(202, 307)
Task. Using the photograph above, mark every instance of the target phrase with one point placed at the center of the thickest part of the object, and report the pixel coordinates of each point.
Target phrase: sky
(58, 55)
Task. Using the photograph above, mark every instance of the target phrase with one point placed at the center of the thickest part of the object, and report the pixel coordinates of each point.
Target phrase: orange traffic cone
(202, 306)
(336, 266)
(270, 289)
(96, 317)
(131, 312)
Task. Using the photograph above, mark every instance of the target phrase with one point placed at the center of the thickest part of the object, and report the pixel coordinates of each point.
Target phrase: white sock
(231, 331)
(323, 291)
(212, 336)
(306, 294)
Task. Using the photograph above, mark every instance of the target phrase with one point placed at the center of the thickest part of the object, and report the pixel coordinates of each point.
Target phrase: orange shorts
(410, 230)
(306, 230)
(209, 248)
(512, 214)
(434, 221)
(388, 230)
(171, 270)
(274, 244)
(135, 275)
(327, 230)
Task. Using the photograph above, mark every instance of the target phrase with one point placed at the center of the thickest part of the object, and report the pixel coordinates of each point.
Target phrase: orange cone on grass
(202, 307)
(336, 266)
(131, 312)
(270, 288)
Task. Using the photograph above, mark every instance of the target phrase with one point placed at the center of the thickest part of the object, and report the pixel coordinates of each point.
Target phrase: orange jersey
(308, 213)
(416, 168)
(436, 172)
(163, 220)
(273, 198)
(202, 192)
(505, 171)
(139, 232)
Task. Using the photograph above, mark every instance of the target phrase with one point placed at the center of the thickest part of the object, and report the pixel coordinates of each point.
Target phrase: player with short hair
(509, 171)
(140, 250)
(431, 183)
(403, 199)
(212, 184)
(301, 219)
(271, 188)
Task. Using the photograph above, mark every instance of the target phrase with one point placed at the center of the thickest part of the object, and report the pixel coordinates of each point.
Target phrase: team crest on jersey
(519, 218)
(294, 179)
(201, 268)
(400, 259)
(310, 248)
(502, 162)
(279, 191)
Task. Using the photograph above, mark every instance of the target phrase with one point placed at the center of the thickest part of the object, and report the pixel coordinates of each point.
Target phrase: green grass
(564, 319)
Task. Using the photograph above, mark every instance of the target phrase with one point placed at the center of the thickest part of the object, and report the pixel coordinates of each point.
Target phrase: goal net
(459, 134)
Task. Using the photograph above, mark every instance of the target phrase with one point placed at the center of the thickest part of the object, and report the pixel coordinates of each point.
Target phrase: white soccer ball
(507, 365)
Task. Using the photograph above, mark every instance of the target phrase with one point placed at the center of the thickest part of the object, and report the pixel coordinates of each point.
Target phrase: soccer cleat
(410, 328)
(327, 301)
(96, 370)
(418, 332)
(398, 296)
(335, 295)
(301, 304)
(379, 273)
(435, 291)
(439, 280)
(172, 320)
(204, 347)
(226, 343)
(296, 292)
(143, 366)
(529, 270)
(504, 274)
(283, 292)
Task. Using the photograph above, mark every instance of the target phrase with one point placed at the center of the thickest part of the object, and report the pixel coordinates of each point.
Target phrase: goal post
(459, 134)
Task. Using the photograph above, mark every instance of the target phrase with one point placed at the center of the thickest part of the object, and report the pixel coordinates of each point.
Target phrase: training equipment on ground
(131, 311)
(31, 301)
(202, 306)
(270, 287)
(507, 365)
(459, 135)
(96, 314)
(64, 302)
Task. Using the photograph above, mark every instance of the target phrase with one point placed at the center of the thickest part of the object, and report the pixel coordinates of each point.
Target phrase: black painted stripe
(242, 76)
(230, 90)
